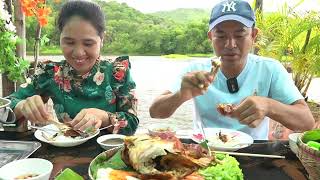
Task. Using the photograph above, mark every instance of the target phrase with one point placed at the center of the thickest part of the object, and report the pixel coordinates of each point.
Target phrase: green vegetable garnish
(90, 130)
(68, 174)
(227, 170)
(115, 162)
(312, 135)
(314, 145)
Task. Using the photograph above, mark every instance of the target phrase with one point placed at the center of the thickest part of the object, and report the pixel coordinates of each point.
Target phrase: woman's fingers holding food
(28, 114)
(33, 109)
(78, 118)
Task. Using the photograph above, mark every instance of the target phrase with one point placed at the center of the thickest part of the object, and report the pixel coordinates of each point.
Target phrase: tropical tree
(10, 64)
(293, 38)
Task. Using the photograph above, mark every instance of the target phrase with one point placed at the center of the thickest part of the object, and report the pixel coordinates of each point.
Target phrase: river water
(153, 74)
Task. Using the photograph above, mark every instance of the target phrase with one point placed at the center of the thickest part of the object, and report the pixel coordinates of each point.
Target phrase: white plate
(239, 139)
(61, 141)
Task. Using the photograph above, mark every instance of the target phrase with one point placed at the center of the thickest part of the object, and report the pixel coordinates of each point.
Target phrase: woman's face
(80, 44)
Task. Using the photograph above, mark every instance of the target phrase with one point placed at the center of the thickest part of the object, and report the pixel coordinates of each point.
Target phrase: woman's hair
(89, 11)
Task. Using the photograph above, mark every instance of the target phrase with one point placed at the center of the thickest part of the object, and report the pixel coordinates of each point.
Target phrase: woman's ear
(102, 38)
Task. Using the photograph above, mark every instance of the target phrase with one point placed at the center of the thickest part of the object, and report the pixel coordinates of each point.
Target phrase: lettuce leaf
(228, 169)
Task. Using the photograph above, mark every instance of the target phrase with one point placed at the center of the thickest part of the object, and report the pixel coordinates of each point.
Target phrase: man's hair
(87, 10)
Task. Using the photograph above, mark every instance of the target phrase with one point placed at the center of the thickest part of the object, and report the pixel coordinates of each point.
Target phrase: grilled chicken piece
(167, 158)
(225, 109)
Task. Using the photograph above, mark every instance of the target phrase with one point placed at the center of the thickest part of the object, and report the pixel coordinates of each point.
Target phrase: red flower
(66, 85)
(119, 75)
(112, 101)
(37, 8)
(56, 68)
(125, 63)
(198, 136)
(118, 125)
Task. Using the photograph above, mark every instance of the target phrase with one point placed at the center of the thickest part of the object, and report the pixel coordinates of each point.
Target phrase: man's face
(232, 40)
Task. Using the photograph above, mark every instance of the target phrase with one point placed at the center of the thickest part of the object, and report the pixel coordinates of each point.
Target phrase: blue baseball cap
(235, 10)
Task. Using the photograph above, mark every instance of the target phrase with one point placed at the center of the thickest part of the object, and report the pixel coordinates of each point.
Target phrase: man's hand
(317, 125)
(251, 110)
(194, 84)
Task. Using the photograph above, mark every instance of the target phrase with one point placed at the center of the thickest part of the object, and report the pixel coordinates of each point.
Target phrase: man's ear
(255, 32)
(210, 35)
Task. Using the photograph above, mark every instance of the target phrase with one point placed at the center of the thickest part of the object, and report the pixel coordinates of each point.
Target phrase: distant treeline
(131, 32)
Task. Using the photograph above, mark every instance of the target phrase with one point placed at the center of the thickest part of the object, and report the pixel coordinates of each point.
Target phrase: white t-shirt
(264, 75)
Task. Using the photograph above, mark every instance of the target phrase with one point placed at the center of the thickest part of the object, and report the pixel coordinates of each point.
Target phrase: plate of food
(153, 157)
(158, 129)
(51, 134)
(221, 139)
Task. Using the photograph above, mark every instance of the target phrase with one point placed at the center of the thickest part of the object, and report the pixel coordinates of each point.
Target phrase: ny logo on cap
(229, 6)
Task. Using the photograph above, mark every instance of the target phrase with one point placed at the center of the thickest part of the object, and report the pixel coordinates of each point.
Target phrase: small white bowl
(158, 129)
(41, 167)
(103, 141)
(293, 138)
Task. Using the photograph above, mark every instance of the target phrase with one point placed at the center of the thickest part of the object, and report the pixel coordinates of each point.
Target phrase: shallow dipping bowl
(111, 141)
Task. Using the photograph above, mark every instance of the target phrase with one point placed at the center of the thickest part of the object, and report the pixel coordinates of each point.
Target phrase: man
(257, 87)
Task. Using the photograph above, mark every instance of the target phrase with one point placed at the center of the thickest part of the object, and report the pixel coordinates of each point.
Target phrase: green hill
(129, 31)
(184, 15)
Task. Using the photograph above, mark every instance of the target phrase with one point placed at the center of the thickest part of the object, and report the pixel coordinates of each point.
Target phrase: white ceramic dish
(40, 167)
(61, 141)
(109, 136)
(184, 134)
(155, 129)
(293, 139)
(238, 139)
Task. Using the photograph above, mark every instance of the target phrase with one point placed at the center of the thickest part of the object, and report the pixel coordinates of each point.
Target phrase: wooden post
(19, 22)
(258, 5)
(7, 86)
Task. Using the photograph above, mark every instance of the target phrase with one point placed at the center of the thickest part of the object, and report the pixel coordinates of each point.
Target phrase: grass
(186, 56)
(48, 51)
(55, 50)
(176, 56)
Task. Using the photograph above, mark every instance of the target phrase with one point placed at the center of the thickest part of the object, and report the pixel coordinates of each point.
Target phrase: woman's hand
(90, 117)
(33, 109)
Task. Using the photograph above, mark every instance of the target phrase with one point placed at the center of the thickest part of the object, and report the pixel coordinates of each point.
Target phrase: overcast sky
(148, 6)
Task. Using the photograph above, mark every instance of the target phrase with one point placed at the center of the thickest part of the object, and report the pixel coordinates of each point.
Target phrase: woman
(91, 91)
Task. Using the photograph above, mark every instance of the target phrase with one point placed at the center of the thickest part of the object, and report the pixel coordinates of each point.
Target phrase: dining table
(79, 157)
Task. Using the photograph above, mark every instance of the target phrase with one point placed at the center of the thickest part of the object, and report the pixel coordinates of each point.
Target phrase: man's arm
(252, 110)
(296, 116)
(166, 104)
(193, 84)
